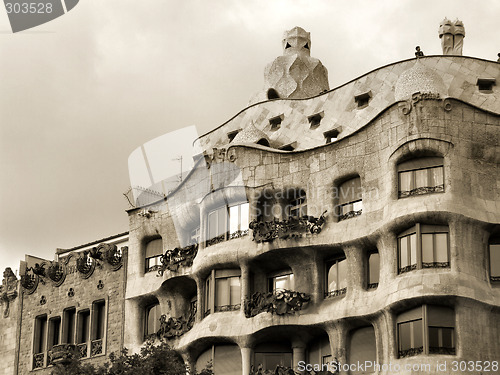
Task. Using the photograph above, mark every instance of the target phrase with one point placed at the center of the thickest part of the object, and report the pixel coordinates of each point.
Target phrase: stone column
(199, 299)
(245, 284)
(246, 360)
(299, 354)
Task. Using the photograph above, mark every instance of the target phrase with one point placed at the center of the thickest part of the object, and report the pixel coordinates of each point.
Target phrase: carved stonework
(178, 257)
(56, 272)
(62, 353)
(8, 290)
(452, 36)
(112, 255)
(278, 302)
(85, 265)
(267, 231)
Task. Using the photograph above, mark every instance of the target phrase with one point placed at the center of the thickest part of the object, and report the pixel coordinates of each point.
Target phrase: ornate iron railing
(95, 347)
(410, 352)
(175, 327)
(178, 257)
(495, 278)
(82, 350)
(268, 231)
(408, 268)
(372, 286)
(441, 350)
(350, 214)
(421, 190)
(278, 302)
(238, 234)
(224, 308)
(38, 360)
(435, 264)
(215, 240)
(336, 293)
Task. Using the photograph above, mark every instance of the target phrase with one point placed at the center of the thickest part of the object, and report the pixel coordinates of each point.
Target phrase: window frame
(297, 205)
(369, 284)
(211, 291)
(69, 326)
(271, 280)
(155, 259)
(418, 230)
(83, 325)
(351, 183)
(226, 233)
(494, 241)
(147, 311)
(428, 163)
(334, 262)
(424, 316)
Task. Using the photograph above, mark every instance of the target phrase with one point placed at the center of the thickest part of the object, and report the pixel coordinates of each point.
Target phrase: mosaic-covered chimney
(452, 36)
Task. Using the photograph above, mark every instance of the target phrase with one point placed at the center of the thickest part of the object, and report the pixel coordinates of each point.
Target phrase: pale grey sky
(79, 94)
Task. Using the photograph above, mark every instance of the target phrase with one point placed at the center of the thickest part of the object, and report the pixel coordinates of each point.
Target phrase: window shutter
(350, 191)
(154, 248)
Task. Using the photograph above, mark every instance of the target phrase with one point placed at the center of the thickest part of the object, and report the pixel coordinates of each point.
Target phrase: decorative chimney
(452, 36)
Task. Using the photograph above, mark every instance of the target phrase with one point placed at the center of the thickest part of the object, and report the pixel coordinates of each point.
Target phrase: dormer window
(332, 135)
(485, 85)
(275, 122)
(363, 99)
(288, 147)
(315, 119)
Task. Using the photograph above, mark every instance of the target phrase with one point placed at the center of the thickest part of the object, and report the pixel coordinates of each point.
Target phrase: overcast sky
(79, 94)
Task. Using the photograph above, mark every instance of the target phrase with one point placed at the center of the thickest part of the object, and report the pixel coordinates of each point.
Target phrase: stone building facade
(73, 302)
(319, 228)
(333, 227)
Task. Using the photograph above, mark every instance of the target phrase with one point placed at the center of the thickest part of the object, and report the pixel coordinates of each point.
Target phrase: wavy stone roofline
(459, 73)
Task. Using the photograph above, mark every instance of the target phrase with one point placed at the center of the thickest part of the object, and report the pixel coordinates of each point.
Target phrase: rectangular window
(373, 270)
(336, 278)
(83, 326)
(494, 248)
(40, 339)
(153, 314)
(238, 220)
(98, 319)
(208, 295)
(423, 246)
(217, 225)
(282, 281)
(421, 176)
(69, 316)
(227, 293)
(350, 203)
(154, 252)
(298, 206)
(54, 332)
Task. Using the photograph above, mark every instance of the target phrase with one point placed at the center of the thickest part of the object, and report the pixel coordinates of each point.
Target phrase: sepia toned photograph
(249, 188)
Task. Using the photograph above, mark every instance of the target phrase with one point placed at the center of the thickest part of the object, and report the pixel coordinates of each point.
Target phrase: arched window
(336, 277)
(283, 280)
(362, 348)
(423, 246)
(154, 251)
(421, 176)
(225, 359)
(426, 329)
(350, 199)
(153, 314)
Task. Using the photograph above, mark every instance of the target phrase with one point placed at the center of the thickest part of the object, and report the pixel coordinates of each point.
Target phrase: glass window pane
(434, 337)
(342, 274)
(403, 252)
(421, 178)
(447, 337)
(244, 216)
(441, 247)
(404, 336)
(405, 181)
(233, 219)
(221, 292)
(373, 267)
(418, 340)
(332, 278)
(291, 282)
(436, 176)
(413, 249)
(495, 259)
(212, 225)
(281, 282)
(427, 248)
(357, 206)
(222, 216)
(234, 290)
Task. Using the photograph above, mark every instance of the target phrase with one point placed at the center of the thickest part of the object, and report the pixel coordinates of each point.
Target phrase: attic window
(363, 99)
(275, 122)
(315, 119)
(288, 147)
(272, 94)
(288, 46)
(232, 134)
(306, 46)
(332, 135)
(485, 85)
(263, 142)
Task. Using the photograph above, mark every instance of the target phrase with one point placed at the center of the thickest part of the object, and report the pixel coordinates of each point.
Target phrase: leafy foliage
(154, 359)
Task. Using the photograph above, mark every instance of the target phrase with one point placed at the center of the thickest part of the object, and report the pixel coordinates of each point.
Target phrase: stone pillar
(189, 362)
(356, 266)
(199, 299)
(299, 354)
(246, 360)
(245, 285)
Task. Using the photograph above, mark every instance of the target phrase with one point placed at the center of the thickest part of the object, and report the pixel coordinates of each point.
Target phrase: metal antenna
(179, 159)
